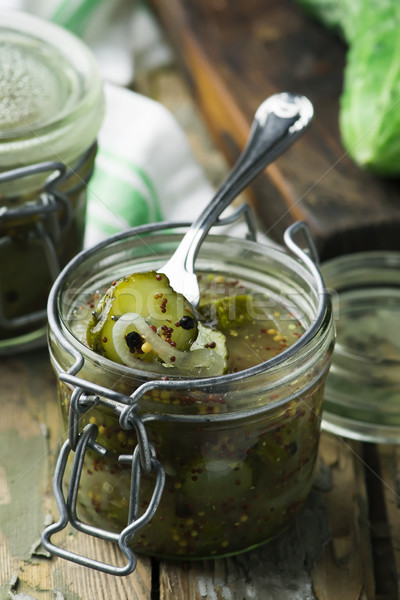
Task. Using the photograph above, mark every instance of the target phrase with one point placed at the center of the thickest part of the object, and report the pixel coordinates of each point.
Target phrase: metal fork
(277, 123)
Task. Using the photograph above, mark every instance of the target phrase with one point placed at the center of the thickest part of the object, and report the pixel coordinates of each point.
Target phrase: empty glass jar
(362, 395)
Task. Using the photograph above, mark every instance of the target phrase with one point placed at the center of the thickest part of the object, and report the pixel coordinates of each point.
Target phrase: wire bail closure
(50, 216)
(143, 460)
(50, 202)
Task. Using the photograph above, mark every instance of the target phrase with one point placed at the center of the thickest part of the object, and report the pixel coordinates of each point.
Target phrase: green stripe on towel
(120, 195)
(123, 161)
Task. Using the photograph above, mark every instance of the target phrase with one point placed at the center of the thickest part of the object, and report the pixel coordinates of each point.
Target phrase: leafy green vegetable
(338, 15)
(369, 116)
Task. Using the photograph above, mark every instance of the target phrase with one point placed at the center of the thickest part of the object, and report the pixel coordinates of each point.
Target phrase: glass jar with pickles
(51, 108)
(210, 453)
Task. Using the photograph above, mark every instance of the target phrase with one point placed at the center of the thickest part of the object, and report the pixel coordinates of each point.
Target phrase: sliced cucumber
(150, 295)
(229, 312)
(219, 481)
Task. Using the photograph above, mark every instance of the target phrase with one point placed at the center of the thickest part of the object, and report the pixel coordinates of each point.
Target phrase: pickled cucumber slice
(150, 295)
(229, 312)
(218, 481)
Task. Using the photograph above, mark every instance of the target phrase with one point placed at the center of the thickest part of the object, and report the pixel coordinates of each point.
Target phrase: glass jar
(51, 108)
(210, 467)
(362, 395)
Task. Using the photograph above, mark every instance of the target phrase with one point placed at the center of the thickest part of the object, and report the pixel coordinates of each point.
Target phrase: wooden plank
(346, 569)
(387, 530)
(25, 473)
(235, 55)
(31, 433)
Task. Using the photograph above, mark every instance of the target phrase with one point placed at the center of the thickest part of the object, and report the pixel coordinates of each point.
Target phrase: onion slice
(201, 362)
(121, 348)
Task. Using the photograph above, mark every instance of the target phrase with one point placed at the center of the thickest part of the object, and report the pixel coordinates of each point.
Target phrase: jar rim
(73, 124)
(343, 261)
(322, 319)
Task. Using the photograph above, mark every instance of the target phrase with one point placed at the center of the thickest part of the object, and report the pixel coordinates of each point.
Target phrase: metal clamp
(245, 211)
(307, 251)
(47, 225)
(67, 507)
(80, 402)
(49, 202)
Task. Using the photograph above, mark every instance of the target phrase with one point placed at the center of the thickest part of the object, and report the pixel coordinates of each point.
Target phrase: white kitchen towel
(145, 170)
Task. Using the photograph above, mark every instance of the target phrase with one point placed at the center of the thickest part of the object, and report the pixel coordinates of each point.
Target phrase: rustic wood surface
(235, 54)
(345, 543)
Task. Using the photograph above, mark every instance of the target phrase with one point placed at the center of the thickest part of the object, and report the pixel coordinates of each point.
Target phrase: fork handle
(278, 122)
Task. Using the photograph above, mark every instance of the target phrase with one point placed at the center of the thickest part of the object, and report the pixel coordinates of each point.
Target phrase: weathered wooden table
(344, 545)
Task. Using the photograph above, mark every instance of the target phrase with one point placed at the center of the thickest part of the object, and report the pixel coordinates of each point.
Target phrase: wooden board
(235, 54)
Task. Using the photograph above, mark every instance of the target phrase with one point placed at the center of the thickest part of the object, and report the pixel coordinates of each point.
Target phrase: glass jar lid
(51, 97)
(362, 393)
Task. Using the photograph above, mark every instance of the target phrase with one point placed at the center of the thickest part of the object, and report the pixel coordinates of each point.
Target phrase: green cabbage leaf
(369, 116)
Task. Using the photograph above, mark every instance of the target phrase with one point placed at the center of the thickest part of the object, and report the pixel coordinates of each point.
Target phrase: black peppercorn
(134, 341)
(187, 322)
